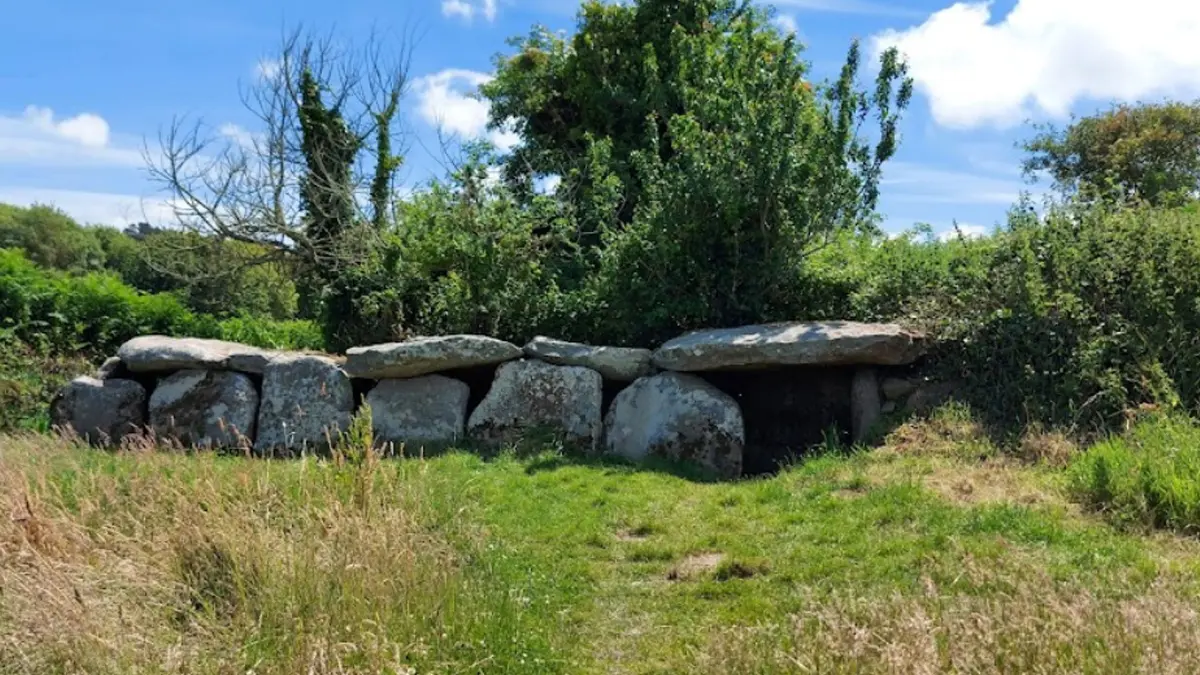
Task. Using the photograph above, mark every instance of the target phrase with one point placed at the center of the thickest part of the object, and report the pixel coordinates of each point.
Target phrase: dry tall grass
(1037, 628)
(216, 566)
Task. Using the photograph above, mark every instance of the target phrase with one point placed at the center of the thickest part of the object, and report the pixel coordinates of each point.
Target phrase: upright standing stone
(430, 410)
(528, 394)
(205, 408)
(678, 416)
(306, 401)
(102, 412)
(865, 406)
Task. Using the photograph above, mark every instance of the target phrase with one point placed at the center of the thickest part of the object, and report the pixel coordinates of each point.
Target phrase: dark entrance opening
(787, 411)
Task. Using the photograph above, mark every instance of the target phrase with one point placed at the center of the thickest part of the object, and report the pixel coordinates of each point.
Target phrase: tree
(291, 186)
(50, 238)
(633, 69)
(690, 139)
(1146, 152)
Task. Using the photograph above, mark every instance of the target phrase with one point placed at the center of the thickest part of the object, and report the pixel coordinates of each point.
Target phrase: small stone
(113, 368)
(896, 388)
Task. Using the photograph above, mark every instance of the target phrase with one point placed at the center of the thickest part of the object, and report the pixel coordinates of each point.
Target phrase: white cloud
(1047, 55)
(85, 128)
(467, 11)
(237, 134)
(446, 100)
(785, 23)
(97, 208)
(36, 138)
(548, 185)
(267, 69)
(967, 230)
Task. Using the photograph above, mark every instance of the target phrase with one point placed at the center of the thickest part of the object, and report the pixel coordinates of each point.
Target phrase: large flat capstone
(791, 344)
(205, 408)
(621, 364)
(678, 416)
(532, 394)
(426, 355)
(160, 354)
(101, 412)
(306, 401)
(429, 410)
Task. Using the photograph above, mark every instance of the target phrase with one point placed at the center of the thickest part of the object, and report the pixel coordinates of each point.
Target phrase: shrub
(90, 315)
(1073, 318)
(1148, 477)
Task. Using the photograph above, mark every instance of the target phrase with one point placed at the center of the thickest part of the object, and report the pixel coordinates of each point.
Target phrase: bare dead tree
(247, 185)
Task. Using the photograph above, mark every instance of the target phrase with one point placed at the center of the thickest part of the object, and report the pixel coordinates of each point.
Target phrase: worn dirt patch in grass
(695, 565)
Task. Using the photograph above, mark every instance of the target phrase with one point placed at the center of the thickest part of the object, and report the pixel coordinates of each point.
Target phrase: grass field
(930, 554)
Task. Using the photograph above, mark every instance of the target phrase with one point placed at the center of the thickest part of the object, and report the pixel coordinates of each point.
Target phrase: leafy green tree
(1146, 152)
(50, 238)
(703, 160)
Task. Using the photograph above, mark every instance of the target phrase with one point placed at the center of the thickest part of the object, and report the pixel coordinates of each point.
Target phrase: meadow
(937, 551)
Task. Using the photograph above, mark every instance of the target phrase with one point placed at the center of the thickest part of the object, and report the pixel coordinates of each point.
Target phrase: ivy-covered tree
(289, 184)
(1145, 153)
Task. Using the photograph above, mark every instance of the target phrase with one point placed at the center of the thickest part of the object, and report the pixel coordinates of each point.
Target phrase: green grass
(1149, 477)
(887, 561)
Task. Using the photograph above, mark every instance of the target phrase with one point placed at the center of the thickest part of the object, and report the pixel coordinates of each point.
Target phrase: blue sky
(83, 83)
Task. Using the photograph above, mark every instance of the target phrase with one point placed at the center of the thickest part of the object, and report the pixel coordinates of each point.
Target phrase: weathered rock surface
(429, 410)
(896, 388)
(622, 364)
(205, 408)
(677, 416)
(159, 354)
(112, 369)
(528, 394)
(306, 400)
(423, 356)
(929, 396)
(865, 405)
(103, 412)
(791, 344)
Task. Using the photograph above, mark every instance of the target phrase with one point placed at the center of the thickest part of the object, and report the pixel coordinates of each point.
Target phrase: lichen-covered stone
(205, 408)
(621, 364)
(160, 354)
(102, 412)
(423, 411)
(426, 355)
(532, 394)
(678, 416)
(791, 344)
(306, 401)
